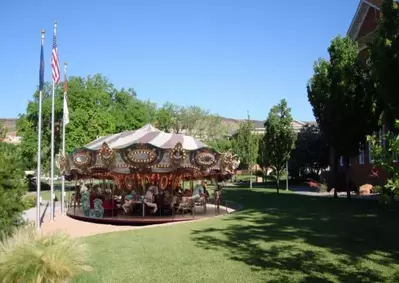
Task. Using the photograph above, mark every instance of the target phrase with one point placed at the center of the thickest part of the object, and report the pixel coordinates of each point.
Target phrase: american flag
(54, 58)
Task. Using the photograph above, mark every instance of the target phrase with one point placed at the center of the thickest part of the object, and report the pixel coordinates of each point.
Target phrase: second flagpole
(54, 61)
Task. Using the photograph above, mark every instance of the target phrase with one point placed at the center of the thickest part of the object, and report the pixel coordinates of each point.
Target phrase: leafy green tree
(3, 132)
(384, 55)
(11, 188)
(220, 145)
(279, 139)
(385, 150)
(96, 108)
(245, 144)
(343, 98)
(311, 152)
(166, 117)
(129, 112)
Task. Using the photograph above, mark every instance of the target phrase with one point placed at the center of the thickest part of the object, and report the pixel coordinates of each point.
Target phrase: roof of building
(367, 12)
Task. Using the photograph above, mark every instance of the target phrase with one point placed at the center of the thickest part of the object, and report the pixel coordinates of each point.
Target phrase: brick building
(362, 30)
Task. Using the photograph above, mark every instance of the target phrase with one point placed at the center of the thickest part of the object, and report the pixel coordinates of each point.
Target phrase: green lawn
(46, 195)
(276, 238)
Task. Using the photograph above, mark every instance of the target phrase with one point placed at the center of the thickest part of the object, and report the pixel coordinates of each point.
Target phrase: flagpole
(63, 143)
(52, 208)
(39, 137)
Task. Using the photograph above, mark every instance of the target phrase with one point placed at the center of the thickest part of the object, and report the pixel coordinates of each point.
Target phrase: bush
(26, 256)
(377, 189)
(11, 188)
(29, 201)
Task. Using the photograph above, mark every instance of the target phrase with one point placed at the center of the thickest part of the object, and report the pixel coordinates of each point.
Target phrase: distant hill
(232, 124)
(9, 123)
(11, 126)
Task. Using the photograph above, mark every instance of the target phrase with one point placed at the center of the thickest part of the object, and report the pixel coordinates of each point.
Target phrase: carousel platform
(137, 220)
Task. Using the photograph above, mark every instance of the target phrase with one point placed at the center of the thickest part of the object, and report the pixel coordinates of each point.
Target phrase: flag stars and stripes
(54, 59)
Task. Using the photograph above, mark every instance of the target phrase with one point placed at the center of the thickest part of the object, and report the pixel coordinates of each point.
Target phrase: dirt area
(77, 228)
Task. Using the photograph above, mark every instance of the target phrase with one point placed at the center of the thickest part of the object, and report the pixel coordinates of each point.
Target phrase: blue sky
(227, 56)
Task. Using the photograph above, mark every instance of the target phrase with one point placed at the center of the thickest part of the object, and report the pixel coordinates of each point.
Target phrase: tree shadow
(308, 238)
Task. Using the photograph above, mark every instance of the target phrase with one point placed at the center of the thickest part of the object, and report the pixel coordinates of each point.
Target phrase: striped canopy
(147, 134)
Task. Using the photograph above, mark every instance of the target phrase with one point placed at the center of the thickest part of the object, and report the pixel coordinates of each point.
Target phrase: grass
(276, 238)
(46, 195)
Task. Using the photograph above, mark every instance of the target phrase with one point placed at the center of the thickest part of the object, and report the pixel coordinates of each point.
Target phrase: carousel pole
(39, 135)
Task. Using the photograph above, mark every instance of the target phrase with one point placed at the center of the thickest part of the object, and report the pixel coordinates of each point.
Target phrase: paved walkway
(76, 228)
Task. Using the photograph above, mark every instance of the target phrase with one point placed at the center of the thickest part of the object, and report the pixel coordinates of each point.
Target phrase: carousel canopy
(147, 150)
(146, 135)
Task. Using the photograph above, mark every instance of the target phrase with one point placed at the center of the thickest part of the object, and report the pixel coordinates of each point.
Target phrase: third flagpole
(64, 122)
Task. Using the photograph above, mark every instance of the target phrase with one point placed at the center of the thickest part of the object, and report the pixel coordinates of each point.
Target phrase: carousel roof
(147, 134)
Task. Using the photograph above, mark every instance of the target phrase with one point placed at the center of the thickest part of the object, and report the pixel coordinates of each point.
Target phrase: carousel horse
(97, 211)
(129, 202)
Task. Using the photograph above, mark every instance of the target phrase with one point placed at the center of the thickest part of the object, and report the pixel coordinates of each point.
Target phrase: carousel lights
(178, 153)
(205, 159)
(82, 159)
(106, 154)
(149, 153)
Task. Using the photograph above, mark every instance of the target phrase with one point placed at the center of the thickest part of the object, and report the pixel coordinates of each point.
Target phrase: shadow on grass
(310, 239)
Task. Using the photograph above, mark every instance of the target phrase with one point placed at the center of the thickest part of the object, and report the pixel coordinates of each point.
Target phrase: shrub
(11, 188)
(27, 256)
(29, 201)
(377, 189)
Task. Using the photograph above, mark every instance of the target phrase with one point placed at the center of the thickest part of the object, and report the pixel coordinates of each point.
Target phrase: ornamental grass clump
(27, 256)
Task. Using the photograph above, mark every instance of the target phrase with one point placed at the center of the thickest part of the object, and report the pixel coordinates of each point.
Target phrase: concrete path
(76, 228)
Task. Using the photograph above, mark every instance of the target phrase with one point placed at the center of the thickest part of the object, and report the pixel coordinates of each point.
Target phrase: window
(371, 160)
(361, 156)
(341, 161)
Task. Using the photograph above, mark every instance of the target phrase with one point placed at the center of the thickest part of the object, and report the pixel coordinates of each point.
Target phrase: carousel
(146, 176)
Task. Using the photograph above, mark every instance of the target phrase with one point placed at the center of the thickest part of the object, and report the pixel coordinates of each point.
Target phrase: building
(362, 30)
(260, 127)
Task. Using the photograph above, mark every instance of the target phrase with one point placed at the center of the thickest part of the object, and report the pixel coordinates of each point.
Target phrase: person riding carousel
(149, 198)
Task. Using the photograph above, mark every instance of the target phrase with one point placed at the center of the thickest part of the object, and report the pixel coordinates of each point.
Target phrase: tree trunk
(278, 182)
(287, 175)
(334, 171)
(250, 178)
(347, 178)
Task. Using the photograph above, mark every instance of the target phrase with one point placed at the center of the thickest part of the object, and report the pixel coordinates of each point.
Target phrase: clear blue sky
(228, 56)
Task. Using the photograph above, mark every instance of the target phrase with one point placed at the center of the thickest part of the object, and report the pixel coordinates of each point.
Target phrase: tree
(311, 153)
(385, 150)
(96, 109)
(167, 117)
(3, 132)
(279, 139)
(129, 112)
(11, 188)
(245, 144)
(384, 55)
(220, 145)
(343, 98)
